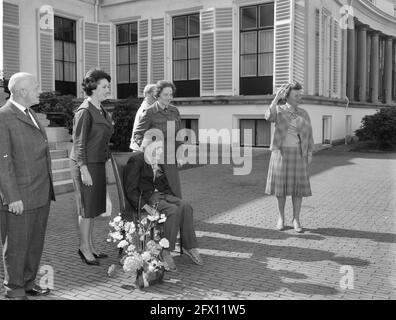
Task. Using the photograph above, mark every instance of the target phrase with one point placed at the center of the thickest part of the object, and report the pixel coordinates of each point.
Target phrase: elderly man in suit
(26, 188)
(146, 184)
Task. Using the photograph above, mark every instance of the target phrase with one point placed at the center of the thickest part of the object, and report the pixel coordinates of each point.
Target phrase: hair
(292, 86)
(16, 81)
(91, 79)
(162, 84)
(148, 89)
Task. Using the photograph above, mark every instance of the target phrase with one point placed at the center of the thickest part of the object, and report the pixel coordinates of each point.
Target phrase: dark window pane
(122, 33)
(180, 27)
(69, 30)
(58, 50)
(122, 55)
(249, 17)
(133, 76)
(267, 15)
(256, 86)
(249, 42)
(123, 74)
(59, 70)
(133, 31)
(249, 65)
(70, 72)
(193, 48)
(193, 25)
(69, 51)
(58, 28)
(180, 49)
(180, 70)
(193, 69)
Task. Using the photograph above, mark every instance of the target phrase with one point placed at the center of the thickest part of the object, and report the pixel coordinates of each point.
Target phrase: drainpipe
(96, 11)
(346, 114)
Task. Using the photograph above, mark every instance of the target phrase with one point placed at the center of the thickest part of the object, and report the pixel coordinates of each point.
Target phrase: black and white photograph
(196, 151)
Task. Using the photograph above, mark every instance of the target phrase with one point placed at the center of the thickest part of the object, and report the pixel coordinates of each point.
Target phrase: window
(256, 49)
(186, 58)
(326, 130)
(65, 56)
(127, 61)
(261, 132)
(191, 124)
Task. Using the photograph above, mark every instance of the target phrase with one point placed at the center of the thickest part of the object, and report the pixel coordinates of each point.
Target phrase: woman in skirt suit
(292, 145)
(92, 130)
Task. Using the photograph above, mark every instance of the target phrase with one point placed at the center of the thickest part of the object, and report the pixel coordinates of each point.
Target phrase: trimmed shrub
(379, 128)
(123, 116)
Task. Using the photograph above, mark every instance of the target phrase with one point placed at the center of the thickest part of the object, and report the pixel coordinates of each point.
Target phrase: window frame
(69, 87)
(132, 86)
(188, 87)
(257, 29)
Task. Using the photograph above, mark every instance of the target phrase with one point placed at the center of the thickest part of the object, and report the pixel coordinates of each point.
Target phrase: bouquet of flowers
(140, 245)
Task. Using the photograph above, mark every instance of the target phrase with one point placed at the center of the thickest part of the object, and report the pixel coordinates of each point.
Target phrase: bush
(64, 106)
(379, 128)
(123, 117)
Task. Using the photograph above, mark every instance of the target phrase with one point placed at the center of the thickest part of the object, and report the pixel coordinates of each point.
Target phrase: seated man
(144, 177)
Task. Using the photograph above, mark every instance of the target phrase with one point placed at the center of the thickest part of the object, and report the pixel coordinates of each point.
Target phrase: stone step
(63, 186)
(61, 174)
(58, 154)
(58, 164)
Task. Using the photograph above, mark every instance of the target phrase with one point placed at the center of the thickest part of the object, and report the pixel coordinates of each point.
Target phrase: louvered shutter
(207, 52)
(46, 57)
(317, 51)
(299, 43)
(336, 59)
(283, 44)
(11, 47)
(223, 51)
(143, 53)
(105, 61)
(91, 45)
(157, 49)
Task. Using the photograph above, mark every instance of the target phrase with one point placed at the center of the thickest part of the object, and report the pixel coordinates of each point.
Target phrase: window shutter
(105, 58)
(299, 43)
(143, 53)
(157, 49)
(11, 46)
(207, 52)
(317, 51)
(46, 57)
(91, 45)
(223, 51)
(283, 44)
(336, 59)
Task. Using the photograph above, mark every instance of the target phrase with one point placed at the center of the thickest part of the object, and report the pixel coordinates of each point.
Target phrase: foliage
(379, 128)
(124, 117)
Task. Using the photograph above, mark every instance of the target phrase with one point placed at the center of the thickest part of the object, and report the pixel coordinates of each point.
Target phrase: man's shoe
(17, 298)
(193, 254)
(37, 291)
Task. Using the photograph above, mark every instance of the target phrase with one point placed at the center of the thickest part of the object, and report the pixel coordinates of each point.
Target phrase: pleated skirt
(91, 201)
(288, 174)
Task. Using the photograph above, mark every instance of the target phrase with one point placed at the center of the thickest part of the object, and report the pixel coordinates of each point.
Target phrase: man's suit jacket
(138, 178)
(25, 161)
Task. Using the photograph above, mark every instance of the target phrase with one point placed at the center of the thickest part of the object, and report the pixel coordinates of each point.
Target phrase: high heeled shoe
(297, 227)
(100, 255)
(89, 262)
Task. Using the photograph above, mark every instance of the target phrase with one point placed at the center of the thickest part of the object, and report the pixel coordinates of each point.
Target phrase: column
(362, 62)
(351, 58)
(388, 69)
(374, 67)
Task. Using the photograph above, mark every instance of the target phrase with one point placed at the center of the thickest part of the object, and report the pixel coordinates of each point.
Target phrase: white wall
(227, 117)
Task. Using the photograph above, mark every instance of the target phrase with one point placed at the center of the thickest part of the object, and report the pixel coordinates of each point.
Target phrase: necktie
(30, 117)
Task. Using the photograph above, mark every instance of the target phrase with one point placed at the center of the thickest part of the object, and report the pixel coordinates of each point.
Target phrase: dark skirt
(91, 201)
(288, 174)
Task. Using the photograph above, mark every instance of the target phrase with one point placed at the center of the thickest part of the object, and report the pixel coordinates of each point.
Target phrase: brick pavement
(350, 221)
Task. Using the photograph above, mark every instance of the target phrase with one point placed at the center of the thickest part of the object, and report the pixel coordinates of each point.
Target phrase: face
(166, 96)
(294, 97)
(102, 91)
(31, 92)
(153, 153)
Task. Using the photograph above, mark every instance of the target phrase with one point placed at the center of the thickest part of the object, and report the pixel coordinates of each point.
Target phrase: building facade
(226, 57)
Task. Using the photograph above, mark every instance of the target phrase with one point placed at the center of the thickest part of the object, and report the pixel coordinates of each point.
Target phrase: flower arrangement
(140, 245)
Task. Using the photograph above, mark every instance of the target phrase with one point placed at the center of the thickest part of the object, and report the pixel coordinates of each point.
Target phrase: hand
(149, 210)
(280, 94)
(309, 158)
(16, 207)
(86, 176)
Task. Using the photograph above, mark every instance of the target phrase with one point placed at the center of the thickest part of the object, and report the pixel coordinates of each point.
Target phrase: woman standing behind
(292, 145)
(157, 116)
(92, 130)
